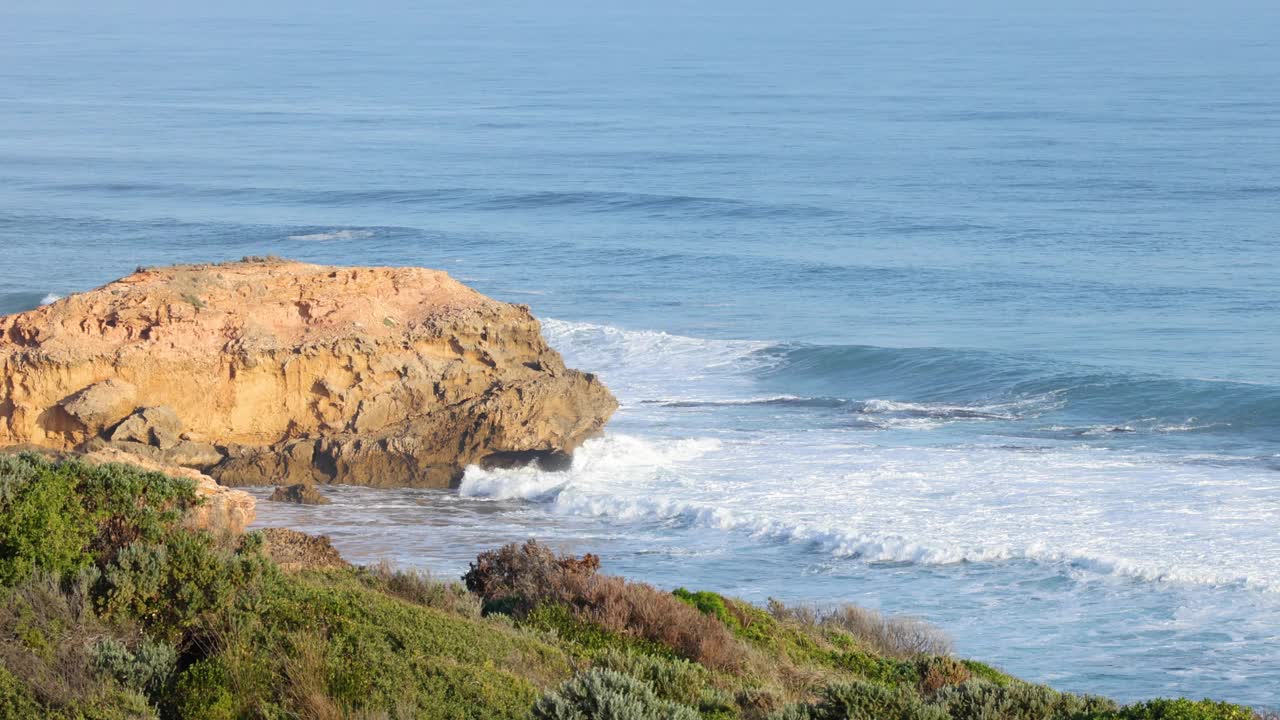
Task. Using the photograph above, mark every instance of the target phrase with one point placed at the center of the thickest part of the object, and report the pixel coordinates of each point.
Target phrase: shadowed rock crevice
(549, 461)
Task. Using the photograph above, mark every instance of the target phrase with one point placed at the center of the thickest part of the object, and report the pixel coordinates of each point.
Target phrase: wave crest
(603, 469)
(333, 235)
(913, 388)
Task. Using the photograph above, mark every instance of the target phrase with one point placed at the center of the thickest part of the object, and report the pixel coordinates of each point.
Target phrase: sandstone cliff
(269, 371)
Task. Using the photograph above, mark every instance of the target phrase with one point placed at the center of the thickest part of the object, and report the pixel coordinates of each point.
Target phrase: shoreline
(405, 526)
(574, 632)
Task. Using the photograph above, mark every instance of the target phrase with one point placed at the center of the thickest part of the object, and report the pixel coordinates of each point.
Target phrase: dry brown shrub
(524, 573)
(518, 578)
(797, 614)
(941, 671)
(640, 610)
(305, 672)
(46, 637)
(419, 587)
(897, 637)
(758, 701)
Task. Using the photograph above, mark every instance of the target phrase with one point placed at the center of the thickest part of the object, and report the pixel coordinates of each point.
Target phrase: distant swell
(959, 383)
(919, 387)
(650, 205)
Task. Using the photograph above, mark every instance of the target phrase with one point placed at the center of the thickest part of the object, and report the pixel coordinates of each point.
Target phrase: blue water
(966, 311)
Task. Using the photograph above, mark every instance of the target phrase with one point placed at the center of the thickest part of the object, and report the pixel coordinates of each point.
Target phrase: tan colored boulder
(295, 373)
(156, 426)
(102, 404)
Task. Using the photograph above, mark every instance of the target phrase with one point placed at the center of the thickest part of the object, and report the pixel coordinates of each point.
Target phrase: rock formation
(300, 494)
(267, 371)
(293, 550)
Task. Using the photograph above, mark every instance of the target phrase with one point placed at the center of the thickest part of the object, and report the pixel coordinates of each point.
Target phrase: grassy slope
(111, 609)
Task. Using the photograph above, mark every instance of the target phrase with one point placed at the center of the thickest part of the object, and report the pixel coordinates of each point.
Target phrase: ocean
(969, 312)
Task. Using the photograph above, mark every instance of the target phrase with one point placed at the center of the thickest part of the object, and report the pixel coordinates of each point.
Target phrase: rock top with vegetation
(267, 371)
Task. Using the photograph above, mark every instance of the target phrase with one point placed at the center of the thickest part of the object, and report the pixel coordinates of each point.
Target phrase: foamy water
(985, 517)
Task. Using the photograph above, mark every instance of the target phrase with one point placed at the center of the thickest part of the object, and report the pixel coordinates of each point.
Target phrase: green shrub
(128, 504)
(587, 638)
(885, 670)
(599, 694)
(745, 620)
(171, 586)
(15, 701)
(1181, 709)
(43, 525)
(204, 691)
(674, 679)
(301, 642)
(977, 700)
(859, 700)
(58, 517)
(708, 603)
(147, 668)
(985, 672)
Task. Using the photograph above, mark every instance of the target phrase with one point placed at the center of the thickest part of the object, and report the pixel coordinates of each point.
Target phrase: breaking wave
(333, 235)
(617, 478)
(915, 387)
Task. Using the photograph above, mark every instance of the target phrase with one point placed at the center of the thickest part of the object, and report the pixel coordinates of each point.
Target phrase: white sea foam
(1189, 425)
(1142, 425)
(1088, 509)
(50, 299)
(1006, 410)
(759, 400)
(334, 235)
(614, 457)
(644, 364)
(924, 507)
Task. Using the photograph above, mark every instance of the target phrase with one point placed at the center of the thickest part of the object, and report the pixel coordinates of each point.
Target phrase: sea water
(964, 311)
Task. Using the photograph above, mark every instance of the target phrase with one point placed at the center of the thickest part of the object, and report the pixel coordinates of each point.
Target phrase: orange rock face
(269, 371)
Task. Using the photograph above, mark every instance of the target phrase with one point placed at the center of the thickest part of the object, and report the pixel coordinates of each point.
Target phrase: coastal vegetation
(113, 607)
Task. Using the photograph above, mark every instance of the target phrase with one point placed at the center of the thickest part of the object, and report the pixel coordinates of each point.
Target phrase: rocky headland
(267, 371)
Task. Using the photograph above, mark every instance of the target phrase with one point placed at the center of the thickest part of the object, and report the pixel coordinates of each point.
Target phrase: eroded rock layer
(274, 372)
